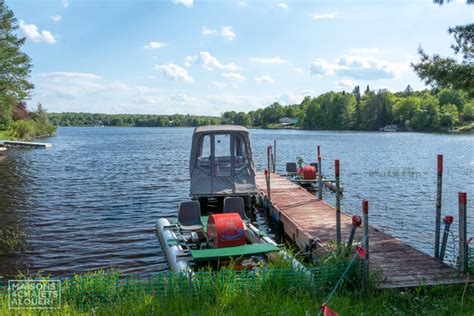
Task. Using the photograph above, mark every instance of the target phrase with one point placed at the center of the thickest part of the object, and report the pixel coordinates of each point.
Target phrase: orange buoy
(226, 230)
(307, 172)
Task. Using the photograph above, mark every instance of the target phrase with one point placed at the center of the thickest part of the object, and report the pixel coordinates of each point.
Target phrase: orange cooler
(226, 230)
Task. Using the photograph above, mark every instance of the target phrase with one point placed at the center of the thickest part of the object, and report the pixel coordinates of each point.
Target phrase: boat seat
(189, 216)
(235, 204)
(291, 167)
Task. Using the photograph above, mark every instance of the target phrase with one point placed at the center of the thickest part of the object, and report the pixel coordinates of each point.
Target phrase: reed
(11, 240)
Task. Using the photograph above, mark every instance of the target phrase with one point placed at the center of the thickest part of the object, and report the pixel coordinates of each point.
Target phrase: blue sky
(207, 57)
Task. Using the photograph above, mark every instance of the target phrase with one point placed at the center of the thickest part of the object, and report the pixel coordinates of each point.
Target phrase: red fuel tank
(226, 230)
(307, 172)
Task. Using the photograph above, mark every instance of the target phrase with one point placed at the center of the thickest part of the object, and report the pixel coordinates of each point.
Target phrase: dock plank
(307, 220)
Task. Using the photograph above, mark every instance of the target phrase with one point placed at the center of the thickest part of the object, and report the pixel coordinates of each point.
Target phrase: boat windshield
(226, 152)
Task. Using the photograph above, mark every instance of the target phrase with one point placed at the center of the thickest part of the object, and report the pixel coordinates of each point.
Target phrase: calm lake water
(92, 200)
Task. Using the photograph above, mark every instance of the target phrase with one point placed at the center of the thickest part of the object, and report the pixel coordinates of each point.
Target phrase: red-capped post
(365, 263)
(439, 190)
(338, 203)
(463, 245)
(356, 222)
(319, 151)
(448, 220)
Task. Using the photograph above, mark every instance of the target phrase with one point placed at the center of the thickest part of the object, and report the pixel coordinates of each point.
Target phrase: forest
(16, 121)
(427, 110)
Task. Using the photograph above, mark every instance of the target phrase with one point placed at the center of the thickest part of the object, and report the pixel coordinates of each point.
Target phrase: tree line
(369, 110)
(131, 120)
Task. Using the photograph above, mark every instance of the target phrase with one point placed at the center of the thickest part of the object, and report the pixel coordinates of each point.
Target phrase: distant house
(287, 121)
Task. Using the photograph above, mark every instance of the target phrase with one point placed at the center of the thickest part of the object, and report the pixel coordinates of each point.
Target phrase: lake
(93, 199)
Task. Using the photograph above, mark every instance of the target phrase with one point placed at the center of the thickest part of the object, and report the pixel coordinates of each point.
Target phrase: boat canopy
(221, 161)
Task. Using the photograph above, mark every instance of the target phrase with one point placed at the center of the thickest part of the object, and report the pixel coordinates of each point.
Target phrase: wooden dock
(311, 223)
(12, 143)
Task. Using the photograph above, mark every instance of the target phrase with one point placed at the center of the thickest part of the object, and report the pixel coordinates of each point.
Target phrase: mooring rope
(341, 279)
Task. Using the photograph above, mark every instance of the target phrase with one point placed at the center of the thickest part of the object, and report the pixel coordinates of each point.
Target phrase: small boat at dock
(213, 230)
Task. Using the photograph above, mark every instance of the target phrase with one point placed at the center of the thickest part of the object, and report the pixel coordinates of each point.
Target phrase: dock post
(365, 277)
(439, 189)
(274, 155)
(269, 161)
(320, 178)
(448, 220)
(267, 178)
(463, 246)
(356, 222)
(338, 204)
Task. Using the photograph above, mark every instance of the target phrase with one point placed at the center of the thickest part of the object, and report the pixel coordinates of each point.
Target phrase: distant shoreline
(454, 132)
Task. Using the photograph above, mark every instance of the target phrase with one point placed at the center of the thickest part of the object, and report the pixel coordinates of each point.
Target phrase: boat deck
(309, 221)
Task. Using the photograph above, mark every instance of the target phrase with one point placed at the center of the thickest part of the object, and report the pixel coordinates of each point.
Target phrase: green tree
(450, 96)
(447, 72)
(468, 111)
(427, 115)
(404, 110)
(15, 66)
(357, 111)
(449, 116)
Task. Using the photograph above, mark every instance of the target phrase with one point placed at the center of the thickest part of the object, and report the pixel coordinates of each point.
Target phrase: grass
(222, 295)
(273, 290)
(11, 240)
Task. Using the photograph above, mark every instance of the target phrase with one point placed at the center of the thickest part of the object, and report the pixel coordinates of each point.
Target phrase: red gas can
(308, 172)
(226, 230)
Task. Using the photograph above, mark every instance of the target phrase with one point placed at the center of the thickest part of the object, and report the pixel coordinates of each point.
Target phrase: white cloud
(189, 60)
(358, 66)
(206, 32)
(321, 67)
(228, 33)
(180, 97)
(241, 3)
(186, 3)
(233, 76)
(55, 18)
(65, 3)
(61, 75)
(210, 62)
(324, 16)
(31, 32)
(87, 92)
(175, 72)
(270, 60)
(282, 5)
(218, 84)
(154, 45)
(345, 84)
(265, 79)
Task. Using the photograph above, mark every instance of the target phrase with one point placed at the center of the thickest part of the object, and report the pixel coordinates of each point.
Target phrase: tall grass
(223, 293)
(11, 240)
